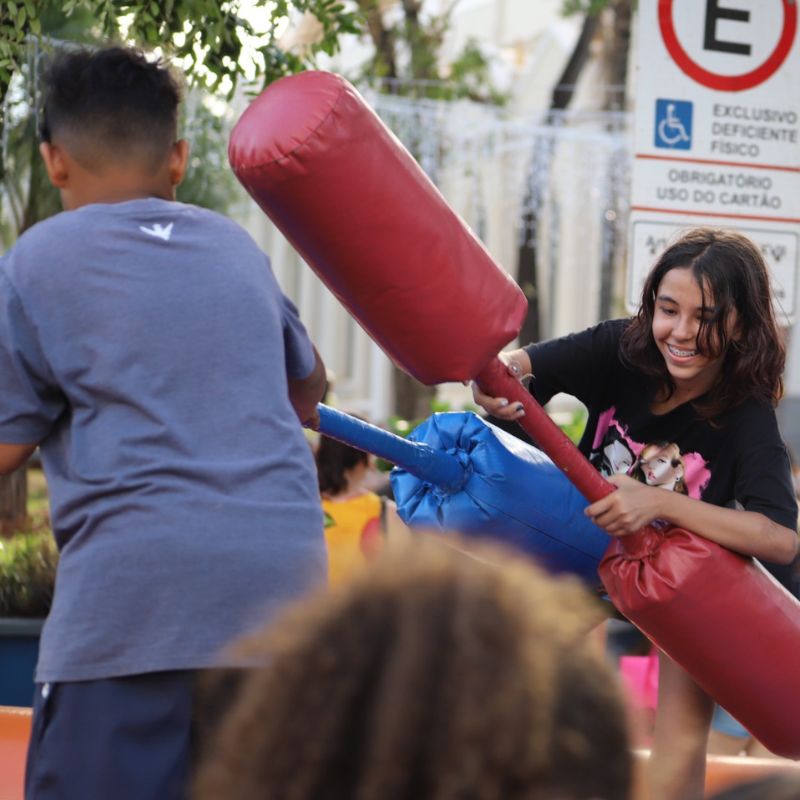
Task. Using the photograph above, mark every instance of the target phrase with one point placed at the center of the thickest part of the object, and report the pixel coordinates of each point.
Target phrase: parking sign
(717, 131)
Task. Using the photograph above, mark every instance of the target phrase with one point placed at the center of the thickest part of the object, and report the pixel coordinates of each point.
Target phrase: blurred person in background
(434, 674)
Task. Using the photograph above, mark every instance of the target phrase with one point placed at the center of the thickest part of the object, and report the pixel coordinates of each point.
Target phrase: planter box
(19, 649)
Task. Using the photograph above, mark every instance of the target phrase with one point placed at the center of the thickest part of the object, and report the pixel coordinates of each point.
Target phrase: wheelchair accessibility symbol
(673, 124)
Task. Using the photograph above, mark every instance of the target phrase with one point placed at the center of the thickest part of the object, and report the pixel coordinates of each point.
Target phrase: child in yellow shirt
(353, 514)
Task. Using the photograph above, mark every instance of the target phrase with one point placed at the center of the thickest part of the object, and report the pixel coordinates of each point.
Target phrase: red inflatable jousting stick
(360, 211)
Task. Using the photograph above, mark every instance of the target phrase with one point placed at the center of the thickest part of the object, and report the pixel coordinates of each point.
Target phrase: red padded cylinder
(365, 217)
(356, 206)
(723, 618)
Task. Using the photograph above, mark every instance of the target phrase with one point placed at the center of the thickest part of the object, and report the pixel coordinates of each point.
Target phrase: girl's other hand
(628, 509)
(519, 366)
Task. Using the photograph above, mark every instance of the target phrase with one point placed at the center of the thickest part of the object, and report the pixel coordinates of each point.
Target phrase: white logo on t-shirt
(158, 230)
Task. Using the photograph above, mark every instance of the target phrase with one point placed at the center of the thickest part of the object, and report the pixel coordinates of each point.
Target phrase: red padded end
(723, 618)
(253, 144)
(365, 217)
(495, 380)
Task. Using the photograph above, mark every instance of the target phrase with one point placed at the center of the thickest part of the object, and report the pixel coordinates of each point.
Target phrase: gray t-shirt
(146, 345)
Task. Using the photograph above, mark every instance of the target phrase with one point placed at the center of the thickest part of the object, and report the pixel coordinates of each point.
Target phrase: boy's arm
(13, 456)
(305, 393)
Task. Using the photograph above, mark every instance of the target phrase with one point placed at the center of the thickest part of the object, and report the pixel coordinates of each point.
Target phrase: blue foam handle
(436, 467)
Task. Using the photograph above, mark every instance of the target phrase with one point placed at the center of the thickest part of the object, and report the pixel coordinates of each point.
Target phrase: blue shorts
(124, 738)
(723, 722)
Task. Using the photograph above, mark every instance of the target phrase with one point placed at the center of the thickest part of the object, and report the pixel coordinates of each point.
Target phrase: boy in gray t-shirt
(147, 349)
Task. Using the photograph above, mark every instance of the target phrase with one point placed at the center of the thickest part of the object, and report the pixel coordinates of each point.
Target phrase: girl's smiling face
(677, 318)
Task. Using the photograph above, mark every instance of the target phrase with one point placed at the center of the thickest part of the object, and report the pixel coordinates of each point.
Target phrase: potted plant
(27, 576)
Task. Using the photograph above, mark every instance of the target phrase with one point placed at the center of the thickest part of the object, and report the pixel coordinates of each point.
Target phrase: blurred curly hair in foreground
(435, 675)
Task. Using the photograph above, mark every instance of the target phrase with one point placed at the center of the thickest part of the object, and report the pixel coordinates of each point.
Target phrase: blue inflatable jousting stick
(433, 466)
(458, 472)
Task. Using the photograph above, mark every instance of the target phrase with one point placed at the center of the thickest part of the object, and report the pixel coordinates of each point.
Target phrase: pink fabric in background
(640, 678)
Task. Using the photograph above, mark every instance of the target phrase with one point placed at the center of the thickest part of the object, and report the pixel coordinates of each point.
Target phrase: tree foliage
(408, 43)
(570, 7)
(26, 195)
(215, 44)
(208, 36)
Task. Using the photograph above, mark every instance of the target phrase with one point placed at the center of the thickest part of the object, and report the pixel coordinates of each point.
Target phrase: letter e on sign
(733, 48)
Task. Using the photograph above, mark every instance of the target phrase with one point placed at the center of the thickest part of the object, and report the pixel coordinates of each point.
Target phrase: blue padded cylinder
(512, 493)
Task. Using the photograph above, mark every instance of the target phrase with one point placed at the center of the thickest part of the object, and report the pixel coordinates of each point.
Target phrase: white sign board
(717, 131)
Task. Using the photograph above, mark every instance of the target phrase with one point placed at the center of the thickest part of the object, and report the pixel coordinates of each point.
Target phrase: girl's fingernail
(502, 402)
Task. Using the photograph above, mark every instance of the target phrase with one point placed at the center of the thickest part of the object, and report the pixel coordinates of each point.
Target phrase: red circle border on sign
(728, 83)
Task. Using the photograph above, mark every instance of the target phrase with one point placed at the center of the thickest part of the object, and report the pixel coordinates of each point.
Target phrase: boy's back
(147, 349)
(182, 487)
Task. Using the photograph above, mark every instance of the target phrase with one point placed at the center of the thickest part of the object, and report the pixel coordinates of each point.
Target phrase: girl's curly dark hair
(434, 675)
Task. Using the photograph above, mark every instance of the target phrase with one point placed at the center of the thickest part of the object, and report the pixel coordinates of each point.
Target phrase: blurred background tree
(408, 45)
(606, 23)
(212, 40)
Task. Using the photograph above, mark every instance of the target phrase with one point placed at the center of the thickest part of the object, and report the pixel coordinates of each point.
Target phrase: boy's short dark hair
(111, 104)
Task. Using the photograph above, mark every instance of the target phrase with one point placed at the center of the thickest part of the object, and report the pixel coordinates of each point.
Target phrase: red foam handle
(495, 380)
